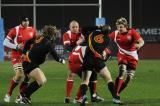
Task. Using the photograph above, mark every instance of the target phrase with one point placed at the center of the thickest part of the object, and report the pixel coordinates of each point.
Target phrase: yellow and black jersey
(97, 42)
(96, 39)
(37, 50)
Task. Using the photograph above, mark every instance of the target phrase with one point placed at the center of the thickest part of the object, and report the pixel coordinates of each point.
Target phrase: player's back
(39, 50)
(97, 41)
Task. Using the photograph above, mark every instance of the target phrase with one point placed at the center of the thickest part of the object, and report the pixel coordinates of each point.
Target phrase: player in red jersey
(15, 40)
(128, 42)
(71, 39)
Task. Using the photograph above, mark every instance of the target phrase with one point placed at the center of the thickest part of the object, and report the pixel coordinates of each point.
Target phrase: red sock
(94, 86)
(69, 85)
(23, 87)
(120, 81)
(78, 96)
(13, 84)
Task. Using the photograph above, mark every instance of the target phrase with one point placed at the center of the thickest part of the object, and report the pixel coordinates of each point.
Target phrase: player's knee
(42, 82)
(70, 76)
(130, 74)
(122, 70)
(18, 67)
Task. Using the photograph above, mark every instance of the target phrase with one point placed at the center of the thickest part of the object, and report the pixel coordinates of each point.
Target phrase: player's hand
(24, 57)
(20, 46)
(106, 54)
(137, 46)
(62, 61)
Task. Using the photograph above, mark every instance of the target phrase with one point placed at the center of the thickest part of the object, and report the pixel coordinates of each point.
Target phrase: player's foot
(67, 100)
(96, 98)
(7, 98)
(76, 100)
(18, 99)
(25, 100)
(117, 101)
(83, 100)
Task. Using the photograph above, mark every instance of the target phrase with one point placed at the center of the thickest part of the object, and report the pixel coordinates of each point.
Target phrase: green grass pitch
(143, 90)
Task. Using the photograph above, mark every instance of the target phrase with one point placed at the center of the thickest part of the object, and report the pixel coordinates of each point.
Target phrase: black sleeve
(53, 52)
(87, 30)
(27, 45)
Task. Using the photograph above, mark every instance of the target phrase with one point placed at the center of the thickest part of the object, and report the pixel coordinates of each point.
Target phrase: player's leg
(129, 74)
(85, 81)
(104, 72)
(40, 80)
(119, 79)
(15, 80)
(73, 69)
(23, 87)
(92, 88)
(69, 86)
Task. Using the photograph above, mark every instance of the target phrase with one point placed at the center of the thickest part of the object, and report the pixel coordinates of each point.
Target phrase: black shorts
(29, 66)
(92, 63)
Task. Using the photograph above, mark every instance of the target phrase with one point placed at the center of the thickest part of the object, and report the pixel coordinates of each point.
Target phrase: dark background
(145, 12)
(145, 17)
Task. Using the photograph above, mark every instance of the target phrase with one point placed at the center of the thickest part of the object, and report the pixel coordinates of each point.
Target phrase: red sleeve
(11, 34)
(136, 35)
(34, 33)
(111, 35)
(66, 39)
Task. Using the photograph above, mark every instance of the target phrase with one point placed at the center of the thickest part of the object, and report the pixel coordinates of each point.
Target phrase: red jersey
(126, 44)
(127, 40)
(71, 39)
(76, 59)
(19, 35)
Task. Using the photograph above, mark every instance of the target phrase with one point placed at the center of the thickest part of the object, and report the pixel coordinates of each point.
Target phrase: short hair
(122, 21)
(73, 21)
(23, 18)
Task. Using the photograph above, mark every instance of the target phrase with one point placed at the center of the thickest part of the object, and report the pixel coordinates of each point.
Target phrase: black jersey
(38, 50)
(96, 40)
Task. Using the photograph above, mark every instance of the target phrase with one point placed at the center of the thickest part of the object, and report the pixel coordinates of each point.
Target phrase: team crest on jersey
(99, 38)
(129, 37)
(31, 34)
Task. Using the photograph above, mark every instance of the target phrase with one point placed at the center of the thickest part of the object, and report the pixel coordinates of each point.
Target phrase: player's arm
(54, 54)
(87, 30)
(27, 45)
(9, 39)
(139, 43)
(139, 40)
(66, 42)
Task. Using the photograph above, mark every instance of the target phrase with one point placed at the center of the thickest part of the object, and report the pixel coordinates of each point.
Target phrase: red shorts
(74, 68)
(16, 57)
(128, 60)
(74, 63)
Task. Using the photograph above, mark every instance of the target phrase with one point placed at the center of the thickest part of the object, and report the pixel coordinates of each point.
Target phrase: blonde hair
(122, 21)
(73, 21)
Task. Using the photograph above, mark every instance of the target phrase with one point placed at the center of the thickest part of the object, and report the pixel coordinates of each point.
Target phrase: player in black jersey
(35, 52)
(94, 59)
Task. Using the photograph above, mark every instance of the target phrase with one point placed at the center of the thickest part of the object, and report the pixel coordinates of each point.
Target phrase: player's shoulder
(133, 31)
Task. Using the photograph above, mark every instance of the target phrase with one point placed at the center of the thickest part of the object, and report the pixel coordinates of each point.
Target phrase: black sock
(116, 83)
(83, 89)
(31, 89)
(91, 85)
(112, 89)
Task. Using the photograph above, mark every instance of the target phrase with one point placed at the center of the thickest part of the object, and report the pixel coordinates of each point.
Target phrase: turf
(144, 89)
